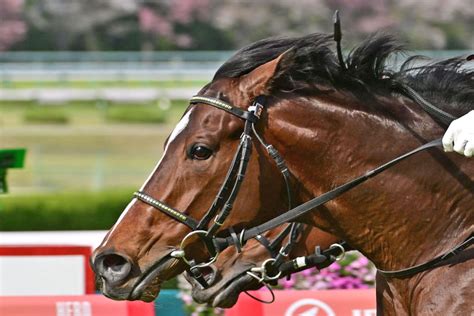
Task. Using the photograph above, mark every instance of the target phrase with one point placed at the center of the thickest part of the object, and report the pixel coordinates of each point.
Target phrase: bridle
(227, 194)
(225, 199)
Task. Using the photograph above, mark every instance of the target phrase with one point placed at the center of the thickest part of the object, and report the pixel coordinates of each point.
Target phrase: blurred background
(91, 89)
(85, 84)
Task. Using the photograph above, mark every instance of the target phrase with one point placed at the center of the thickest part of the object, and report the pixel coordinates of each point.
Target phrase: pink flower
(187, 299)
(351, 274)
(150, 21)
(287, 283)
(184, 11)
(335, 266)
(320, 285)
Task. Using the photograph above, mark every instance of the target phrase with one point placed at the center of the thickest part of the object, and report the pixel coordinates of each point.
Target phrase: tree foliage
(217, 24)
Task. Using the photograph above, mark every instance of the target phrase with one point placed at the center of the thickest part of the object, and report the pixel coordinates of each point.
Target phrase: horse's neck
(402, 217)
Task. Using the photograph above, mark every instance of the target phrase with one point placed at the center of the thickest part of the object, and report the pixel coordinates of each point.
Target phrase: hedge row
(135, 114)
(130, 113)
(46, 115)
(65, 211)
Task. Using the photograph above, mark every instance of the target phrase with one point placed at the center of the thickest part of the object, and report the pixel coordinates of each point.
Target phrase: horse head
(331, 124)
(135, 256)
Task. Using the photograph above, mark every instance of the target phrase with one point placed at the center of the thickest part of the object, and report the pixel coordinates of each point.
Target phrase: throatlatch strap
(175, 214)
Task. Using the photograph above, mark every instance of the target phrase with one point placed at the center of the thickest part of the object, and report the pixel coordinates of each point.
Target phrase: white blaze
(176, 131)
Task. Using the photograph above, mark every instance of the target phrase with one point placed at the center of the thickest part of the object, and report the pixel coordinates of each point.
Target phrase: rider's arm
(460, 135)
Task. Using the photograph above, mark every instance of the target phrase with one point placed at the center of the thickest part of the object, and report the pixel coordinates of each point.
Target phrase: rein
(278, 265)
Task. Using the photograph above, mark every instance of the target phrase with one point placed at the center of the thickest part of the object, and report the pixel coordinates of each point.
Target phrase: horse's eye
(200, 152)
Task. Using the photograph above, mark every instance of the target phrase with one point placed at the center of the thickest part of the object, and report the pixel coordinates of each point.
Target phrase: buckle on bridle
(283, 253)
(257, 106)
(216, 221)
(256, 109)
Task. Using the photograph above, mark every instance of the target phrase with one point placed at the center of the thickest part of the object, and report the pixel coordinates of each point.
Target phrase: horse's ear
(259, 80)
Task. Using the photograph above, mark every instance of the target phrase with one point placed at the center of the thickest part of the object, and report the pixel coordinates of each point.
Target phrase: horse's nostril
(113, 267)
(114, 262)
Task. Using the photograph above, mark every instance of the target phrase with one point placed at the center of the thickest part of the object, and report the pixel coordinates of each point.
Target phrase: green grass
(63, 211)
(88, 153)
(18, 114)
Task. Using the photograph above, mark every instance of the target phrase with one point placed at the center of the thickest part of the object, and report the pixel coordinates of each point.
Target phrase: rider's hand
(460, 135)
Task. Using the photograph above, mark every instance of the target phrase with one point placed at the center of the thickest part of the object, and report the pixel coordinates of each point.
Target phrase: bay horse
(331, 124)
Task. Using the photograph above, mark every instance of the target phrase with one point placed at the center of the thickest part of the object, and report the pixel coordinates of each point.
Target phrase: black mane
(314, 64)
(448, 83)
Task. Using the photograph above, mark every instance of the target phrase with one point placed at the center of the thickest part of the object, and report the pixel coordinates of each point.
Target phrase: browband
(246, 115)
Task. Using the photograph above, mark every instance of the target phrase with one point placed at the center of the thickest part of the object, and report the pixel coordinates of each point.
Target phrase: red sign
(308, 303)
(85, 305)
(15, 255)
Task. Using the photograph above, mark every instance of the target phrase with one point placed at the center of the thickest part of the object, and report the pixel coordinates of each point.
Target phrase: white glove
(460, 133)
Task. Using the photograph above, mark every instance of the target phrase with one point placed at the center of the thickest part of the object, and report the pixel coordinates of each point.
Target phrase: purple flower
(357, 273)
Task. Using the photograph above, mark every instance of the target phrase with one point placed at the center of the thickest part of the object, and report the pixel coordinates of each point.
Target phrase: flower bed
(353, 272)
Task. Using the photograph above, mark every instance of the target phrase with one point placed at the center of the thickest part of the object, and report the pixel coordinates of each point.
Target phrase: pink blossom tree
(12, 25)
(172, 21)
